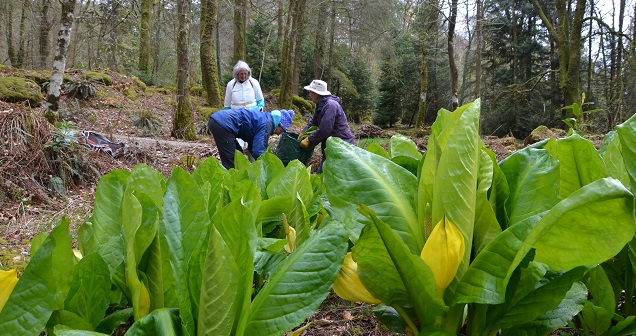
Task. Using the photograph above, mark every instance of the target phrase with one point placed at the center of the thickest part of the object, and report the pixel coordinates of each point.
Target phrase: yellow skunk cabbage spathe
(348, 285)
(290, 232)
(443, 252)
(8, 279)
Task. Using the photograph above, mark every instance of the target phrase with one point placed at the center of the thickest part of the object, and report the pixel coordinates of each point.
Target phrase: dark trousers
(225, 142)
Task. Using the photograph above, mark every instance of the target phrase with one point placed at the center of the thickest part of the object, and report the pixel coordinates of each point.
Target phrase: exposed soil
(31, 202)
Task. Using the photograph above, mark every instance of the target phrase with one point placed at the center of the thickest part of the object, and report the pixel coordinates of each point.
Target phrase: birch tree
(59, 62)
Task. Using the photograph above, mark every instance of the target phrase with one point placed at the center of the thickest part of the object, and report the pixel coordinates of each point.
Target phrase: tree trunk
(13, 57)
(26, 7)
(319, 53)
(280, 20)
(240, 21)
(616, 101)
(452, 18)
(209, 69)
(299, 27)
(145, 38)
(183, 126)
(428, 33)
(515, 43)
(287, 66)
(59, 64)
(332, 33)
(43, 37)
(478, 36)
(567, 37)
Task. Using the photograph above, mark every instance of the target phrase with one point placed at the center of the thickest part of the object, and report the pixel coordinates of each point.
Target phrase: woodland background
(393, 62)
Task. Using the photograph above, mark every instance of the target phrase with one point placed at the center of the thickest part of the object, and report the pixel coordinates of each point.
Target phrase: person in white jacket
(243, 91)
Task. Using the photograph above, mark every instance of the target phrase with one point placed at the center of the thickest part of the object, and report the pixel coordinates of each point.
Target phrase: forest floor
(30, 205)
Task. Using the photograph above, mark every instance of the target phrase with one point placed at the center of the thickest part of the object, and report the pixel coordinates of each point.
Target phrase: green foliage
(358, 72)
(16, 89)
(81, 90)
(146, 121)
(262, 54)
(99, 77)
(577, 122)
(536, 284)
(63, 136)
(399, 82)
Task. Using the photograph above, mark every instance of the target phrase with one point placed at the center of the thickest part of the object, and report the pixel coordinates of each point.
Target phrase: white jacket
(244, 94)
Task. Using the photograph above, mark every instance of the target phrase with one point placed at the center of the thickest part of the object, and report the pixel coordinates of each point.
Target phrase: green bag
(288, 149)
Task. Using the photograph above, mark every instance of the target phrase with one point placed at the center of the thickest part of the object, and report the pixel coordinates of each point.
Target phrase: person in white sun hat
(329, 118)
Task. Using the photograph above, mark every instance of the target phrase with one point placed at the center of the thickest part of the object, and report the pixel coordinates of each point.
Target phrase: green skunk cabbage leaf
(355, 176)
(295, 179)
(42, 287)
(579, 163)
(69, 319)
(218, 313)
(600, 214)
(377, 270)
(390, 318)
(407, 163)
(533, 178)
(183, 226)
(230, 260)
(417, 277)
(240, 161)
(571, 305)
(596, 319)
(272, 208)
(62, 330)
(114, 320)
(378, 150)
(212, 173)
(148, 181)
(627, 133)
(400, 145)
(106, 228)
(164, 321)
(299, 284)
(613, 159)
(90, 288)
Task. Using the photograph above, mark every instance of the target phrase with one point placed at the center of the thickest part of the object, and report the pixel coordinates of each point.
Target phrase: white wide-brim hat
(319, 87)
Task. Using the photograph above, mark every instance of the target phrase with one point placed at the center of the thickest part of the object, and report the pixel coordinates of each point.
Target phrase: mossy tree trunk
(567, 37)
(145, 38)
(26, 8)
(299, 26)
(452, 19)
(59, 63)
(43, 36)
(287, 66)
(428, 33)
(240, 22)
(183, 126)
(321, 32)
(8, 16)
(209, 67)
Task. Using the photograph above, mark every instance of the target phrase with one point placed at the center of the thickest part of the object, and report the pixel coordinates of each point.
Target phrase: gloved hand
(305, 143)
(261, 103)
(300, 135)
(226, 107)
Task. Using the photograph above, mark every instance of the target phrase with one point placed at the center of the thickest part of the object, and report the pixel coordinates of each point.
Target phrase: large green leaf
(212, 173)
(555, 318)
(417, 277)
(220, 289)
(299, 284)
(613, 159)
(627, 133)
(294, 180)
(354, 176)
(579, 163)
(235, 225)
(400, 145)
(164, 322)
(596, 221)
(42, 287)
(90, 288)
(533, 178)
(106, 236)
(376, 269)
(184, 222)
